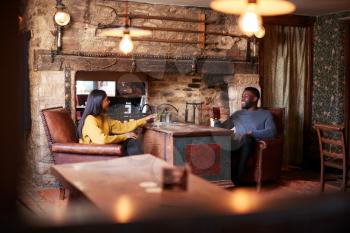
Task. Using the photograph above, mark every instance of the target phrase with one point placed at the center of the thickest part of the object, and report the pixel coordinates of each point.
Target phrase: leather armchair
(64, 145)
(266, 162)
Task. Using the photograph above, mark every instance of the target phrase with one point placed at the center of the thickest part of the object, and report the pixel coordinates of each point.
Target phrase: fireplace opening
(127, 93)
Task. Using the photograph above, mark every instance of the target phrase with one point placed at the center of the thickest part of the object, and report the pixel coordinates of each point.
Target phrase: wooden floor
(293, 183)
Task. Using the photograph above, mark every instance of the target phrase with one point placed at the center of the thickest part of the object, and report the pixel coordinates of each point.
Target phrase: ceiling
(304, 7)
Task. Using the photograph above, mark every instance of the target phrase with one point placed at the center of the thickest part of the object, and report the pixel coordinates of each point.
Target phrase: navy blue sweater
(260, 122)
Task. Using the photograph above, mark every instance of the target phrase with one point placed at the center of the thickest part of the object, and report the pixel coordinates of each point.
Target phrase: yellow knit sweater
(104, 130)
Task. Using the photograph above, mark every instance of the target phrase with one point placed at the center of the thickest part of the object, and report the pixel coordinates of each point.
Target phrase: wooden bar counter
(205, 149)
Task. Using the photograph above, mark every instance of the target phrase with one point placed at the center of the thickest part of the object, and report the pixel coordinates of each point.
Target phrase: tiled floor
(293, 183)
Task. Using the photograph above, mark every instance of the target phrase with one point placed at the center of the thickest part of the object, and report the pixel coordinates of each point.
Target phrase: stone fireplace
(178, 71)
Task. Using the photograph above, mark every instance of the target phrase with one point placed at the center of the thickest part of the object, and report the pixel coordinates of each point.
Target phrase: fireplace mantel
(44, 60)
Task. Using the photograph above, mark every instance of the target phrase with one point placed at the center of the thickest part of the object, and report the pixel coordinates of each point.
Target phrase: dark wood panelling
(290, 20)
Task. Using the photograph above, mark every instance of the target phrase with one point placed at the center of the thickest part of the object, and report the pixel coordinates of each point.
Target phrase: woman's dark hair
(93, 107)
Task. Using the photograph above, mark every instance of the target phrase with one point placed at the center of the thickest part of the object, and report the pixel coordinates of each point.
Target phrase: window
(85, 87)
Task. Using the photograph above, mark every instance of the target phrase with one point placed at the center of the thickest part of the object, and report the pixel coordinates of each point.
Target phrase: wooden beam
(98, 62)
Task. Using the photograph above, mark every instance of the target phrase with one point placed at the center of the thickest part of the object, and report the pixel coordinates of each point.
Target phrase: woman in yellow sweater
(95, 127)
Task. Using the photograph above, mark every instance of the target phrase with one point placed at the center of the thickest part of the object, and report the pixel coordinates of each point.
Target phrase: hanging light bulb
(126, 45)
(250, 12)
(250, 22)
(260, 33)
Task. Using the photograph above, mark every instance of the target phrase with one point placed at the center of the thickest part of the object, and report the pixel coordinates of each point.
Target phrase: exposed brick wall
(179, 89)
(236, 87)
(47, 87)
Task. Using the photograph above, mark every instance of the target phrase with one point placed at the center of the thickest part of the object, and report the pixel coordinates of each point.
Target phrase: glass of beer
(216, 113)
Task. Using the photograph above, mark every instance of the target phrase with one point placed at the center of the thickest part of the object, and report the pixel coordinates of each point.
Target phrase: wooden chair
(63, 143)
(266, 162)
(333, 151)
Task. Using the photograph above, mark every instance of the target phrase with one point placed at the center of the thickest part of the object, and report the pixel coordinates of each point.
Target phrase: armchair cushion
(88, 149)
(59, 124)
(63, 143)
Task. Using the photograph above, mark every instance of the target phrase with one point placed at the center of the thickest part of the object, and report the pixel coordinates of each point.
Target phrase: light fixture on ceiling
(250, 11)
(126, 32)
(61, 19)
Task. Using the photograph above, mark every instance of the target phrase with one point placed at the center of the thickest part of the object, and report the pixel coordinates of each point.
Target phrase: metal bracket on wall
(67, 86)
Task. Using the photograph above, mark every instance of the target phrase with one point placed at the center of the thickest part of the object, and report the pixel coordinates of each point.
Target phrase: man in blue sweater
(249, 124)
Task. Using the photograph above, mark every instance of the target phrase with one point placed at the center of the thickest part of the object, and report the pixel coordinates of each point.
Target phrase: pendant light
(250, 11)
(126, 32)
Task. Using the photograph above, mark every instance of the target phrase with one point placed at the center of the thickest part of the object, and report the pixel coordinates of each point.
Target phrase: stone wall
(178, 89)
(236, 87)
(47, 87)
(47, 90)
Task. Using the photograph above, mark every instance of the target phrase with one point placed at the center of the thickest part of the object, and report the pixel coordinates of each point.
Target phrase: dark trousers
(132, 147)
(240, 157)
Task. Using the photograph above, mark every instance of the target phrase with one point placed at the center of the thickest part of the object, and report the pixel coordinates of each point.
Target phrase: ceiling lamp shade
(119, 31)
(262, 7)
(250, 11)
(126, 32)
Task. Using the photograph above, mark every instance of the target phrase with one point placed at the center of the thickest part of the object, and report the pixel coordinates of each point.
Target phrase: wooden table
(205, 149)
(113, 186)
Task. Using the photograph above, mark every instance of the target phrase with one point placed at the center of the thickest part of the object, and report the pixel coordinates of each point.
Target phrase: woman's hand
(131, 135)
(151, 117)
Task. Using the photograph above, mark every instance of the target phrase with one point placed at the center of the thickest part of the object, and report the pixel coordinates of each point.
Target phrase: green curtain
(285, 54)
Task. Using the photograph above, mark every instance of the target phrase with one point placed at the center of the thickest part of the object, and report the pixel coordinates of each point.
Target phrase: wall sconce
(61, 19)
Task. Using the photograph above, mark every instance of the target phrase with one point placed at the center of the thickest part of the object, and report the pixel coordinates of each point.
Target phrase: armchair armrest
(87, 149)
(263, 144)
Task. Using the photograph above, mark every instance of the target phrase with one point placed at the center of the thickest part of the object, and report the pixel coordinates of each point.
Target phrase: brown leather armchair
(63, 142)
(267, 160)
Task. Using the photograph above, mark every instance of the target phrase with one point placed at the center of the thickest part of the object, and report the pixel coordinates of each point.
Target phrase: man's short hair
(253, 90)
